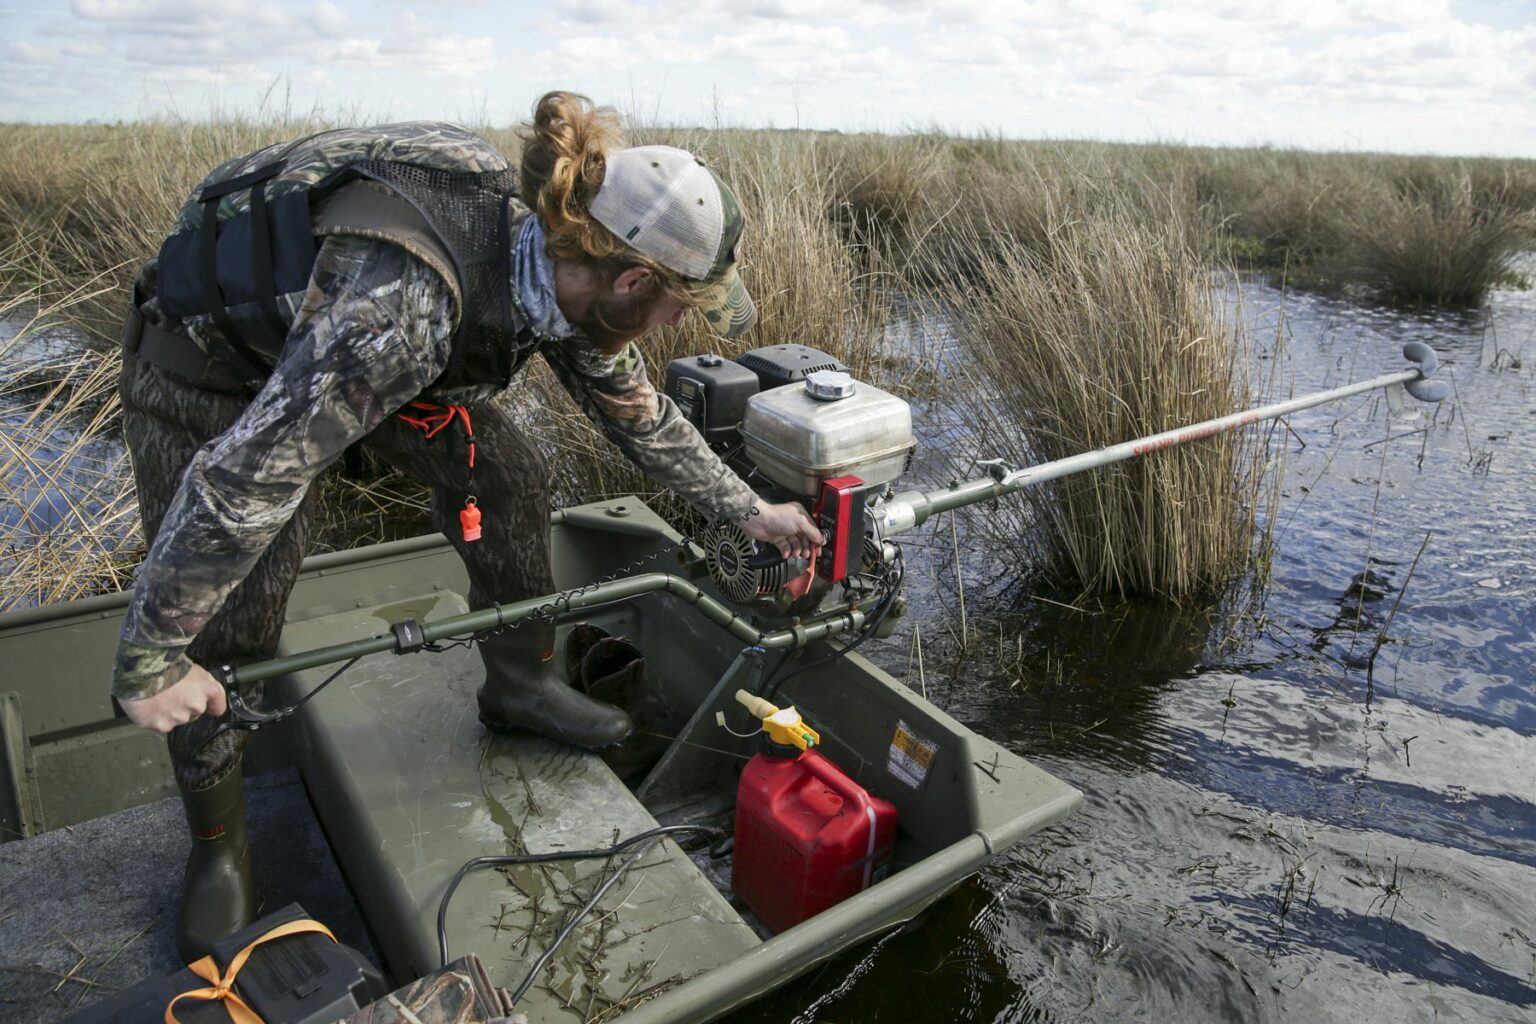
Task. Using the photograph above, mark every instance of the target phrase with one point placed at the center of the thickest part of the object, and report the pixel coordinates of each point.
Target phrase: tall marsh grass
(1405, 229)
(1114, 334)
(1079, 273)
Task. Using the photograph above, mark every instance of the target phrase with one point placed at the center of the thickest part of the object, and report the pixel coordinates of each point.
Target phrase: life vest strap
(432, 420)
(244, 348)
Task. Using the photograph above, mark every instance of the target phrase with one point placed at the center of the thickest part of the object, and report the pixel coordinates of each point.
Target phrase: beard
(614, 322)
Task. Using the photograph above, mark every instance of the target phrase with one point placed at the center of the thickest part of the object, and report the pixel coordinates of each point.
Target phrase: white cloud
(1226, 68)
(240, 39)
(450, 56)
(329, 19)
(779, 42)
(243, 18)
(987, 50)
(594, 12)
(30, 53)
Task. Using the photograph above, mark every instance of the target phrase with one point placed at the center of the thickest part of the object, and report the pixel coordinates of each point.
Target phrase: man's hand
(193, 695)
(787, 527)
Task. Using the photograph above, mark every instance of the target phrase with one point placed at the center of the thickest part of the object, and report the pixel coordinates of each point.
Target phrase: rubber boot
(525, 691)
(218, 895)
(612, 669)
(607, 668)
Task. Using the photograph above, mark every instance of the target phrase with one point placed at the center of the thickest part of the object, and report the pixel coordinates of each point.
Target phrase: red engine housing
(839, 512)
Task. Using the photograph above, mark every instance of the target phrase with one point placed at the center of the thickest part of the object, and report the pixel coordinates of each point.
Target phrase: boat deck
(411, 786)
(95, 902)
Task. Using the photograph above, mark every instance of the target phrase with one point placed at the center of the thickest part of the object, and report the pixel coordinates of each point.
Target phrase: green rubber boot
(524, 691)
(218, 895)
(612, 669)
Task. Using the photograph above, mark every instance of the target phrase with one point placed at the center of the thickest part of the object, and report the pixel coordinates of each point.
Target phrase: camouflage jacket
(370, 335)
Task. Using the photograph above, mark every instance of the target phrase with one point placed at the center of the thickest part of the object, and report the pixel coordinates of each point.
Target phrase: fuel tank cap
(829, 385)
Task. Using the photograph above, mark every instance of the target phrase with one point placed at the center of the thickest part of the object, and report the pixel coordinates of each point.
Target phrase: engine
(796, 425)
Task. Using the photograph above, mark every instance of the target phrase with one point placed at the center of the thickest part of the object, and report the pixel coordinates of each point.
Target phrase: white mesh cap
(664, 203)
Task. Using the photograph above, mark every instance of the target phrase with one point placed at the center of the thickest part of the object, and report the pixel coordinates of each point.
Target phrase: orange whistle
(469, 519)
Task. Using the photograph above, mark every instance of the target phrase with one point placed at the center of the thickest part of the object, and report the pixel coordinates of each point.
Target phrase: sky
(1432, 76)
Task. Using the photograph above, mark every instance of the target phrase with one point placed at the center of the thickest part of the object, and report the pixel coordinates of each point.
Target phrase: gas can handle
(839, 781)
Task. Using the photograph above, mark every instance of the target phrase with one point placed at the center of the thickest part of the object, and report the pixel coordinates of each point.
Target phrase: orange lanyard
(433, 420)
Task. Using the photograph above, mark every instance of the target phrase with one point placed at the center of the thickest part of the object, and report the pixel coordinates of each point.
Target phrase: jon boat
(409, 786)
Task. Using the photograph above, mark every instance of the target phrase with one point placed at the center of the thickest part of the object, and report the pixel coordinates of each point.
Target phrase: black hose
(547, 858)
(770, 689)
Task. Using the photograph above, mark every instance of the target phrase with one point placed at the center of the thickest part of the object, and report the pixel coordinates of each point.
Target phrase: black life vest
(246, 240)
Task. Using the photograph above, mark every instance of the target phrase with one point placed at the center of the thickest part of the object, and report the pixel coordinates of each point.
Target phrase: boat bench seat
(409, 786)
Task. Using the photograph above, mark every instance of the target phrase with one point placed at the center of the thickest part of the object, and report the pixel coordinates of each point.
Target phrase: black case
(777, 365)
(298, 979)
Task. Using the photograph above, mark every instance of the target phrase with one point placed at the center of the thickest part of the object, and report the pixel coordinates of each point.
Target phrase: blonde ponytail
(565, 155)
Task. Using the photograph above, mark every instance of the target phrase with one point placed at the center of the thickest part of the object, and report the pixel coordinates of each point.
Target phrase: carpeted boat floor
(91, 908)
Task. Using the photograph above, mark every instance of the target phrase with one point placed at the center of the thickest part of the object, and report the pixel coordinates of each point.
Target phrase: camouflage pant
(166, 421)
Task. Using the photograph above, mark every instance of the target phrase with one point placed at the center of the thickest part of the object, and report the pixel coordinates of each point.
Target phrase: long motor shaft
(911, 509)
(902, 512)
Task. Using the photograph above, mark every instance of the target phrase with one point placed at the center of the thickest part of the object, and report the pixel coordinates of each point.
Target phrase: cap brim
(727, 306)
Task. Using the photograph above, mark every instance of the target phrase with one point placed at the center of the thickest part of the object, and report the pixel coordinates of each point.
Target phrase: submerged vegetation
(1078, 276)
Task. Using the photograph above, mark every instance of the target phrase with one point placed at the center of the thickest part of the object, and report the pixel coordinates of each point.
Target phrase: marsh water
(1277, 825)
(1275, 828)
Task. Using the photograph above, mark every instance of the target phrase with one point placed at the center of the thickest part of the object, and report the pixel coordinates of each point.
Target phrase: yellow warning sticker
(911, 756)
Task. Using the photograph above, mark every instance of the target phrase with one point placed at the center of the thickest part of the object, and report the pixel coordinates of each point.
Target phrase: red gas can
(807, 837)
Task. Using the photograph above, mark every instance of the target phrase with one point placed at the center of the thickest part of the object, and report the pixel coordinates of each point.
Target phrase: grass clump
(1116, 335)
(876, 189)
(1436, 242)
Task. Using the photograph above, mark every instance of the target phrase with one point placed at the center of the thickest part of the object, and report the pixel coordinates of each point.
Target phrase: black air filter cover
(777, 365)
(711, 393)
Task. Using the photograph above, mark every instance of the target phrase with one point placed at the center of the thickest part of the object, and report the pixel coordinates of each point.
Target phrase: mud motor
(796, 425)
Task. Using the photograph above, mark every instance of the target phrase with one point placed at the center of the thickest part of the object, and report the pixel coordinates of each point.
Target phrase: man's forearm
(676, 456)
(208, 543)
(616, 394)
(373, 332)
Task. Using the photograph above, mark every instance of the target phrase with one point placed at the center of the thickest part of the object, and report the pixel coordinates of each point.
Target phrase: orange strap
(208, 969)
(434, 419)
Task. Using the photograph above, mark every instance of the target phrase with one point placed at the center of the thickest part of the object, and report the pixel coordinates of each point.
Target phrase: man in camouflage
(232, 413)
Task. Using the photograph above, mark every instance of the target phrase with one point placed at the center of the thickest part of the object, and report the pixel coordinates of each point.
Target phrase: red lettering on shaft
(1194, 434)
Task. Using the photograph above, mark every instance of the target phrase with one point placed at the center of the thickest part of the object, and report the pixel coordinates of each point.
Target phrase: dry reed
(68, 517)
(1117, 334)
